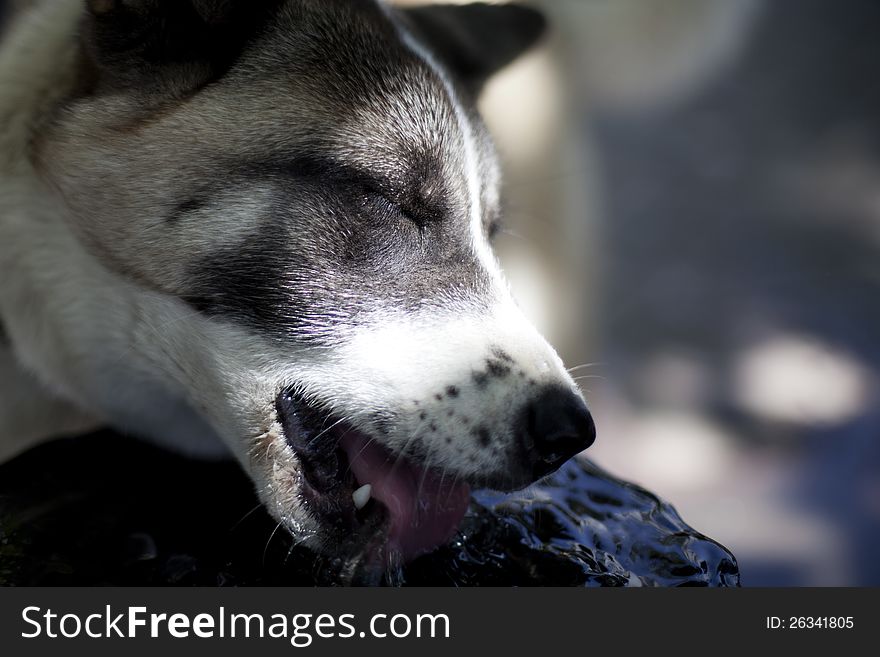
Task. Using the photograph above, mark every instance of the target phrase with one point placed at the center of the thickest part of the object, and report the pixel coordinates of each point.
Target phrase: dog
(264, 228)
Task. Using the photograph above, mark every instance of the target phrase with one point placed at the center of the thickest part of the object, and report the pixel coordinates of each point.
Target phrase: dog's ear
(167, 45)
(476, 40)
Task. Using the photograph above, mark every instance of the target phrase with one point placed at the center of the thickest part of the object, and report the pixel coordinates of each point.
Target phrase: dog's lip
(414, 509)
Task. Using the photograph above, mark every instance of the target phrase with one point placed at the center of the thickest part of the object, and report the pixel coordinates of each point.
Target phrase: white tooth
(361, 496)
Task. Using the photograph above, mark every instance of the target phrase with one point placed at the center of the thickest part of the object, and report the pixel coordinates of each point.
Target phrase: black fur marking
(480, 378)
(433, 427)
(483, 435)
(423, 415)
(4, 338)
(452, 391)
(502, 355)
(497, 368)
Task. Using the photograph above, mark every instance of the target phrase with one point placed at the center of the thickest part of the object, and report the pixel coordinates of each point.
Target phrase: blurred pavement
(740, 298)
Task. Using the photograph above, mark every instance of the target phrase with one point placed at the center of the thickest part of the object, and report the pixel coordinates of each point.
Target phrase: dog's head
(308, 187)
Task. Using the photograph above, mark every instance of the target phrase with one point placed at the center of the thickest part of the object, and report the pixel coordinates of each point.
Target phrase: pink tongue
(424, 511)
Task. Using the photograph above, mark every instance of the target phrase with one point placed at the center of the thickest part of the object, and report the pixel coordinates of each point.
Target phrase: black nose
(557, 426)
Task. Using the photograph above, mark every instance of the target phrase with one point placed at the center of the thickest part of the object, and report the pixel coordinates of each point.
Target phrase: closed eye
(390, 208)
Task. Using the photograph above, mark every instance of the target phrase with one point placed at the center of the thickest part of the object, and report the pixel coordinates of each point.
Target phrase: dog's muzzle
(394, 503)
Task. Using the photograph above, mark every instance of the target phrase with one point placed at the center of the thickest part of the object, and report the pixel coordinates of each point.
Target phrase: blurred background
(695, 222)
(739, 319)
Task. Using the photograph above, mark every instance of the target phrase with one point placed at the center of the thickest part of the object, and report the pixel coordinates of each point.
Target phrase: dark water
(105, 510)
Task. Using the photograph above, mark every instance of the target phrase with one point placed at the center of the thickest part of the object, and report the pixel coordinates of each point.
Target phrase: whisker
(246, 516)
(363, 449)
(455, 481)
(401, 455)
(590, 376)
(428, 458)
(581, 367)
(294, 543)
(338, 422)
(271, 536)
